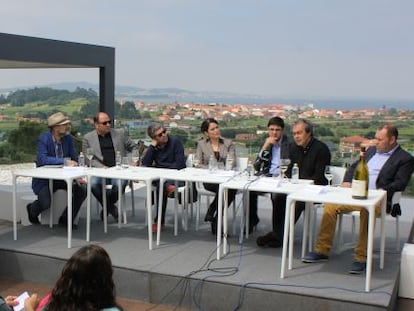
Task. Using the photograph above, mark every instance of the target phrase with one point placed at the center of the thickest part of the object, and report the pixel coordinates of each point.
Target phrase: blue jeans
(43, 198)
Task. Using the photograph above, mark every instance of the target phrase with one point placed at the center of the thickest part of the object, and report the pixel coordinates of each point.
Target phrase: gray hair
(152, 128)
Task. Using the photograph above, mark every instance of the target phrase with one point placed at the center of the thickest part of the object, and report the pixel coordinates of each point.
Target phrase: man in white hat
(53, 147)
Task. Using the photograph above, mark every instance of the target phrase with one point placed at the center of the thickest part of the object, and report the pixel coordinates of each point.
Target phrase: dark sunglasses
(106, 122)
(162, 133)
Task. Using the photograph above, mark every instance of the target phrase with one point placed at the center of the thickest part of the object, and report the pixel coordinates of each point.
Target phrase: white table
(67, 174)
(335, 195)
(188, 175)
(144, 174)
(259, 184)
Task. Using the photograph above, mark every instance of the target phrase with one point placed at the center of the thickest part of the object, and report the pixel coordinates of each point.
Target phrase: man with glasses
(104, 142)
(164, 152)
(53, 147)
(274, 148)
(311, 155)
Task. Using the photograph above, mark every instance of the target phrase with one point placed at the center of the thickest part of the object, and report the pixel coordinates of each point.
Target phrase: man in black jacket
(311, 155)
(390, 169)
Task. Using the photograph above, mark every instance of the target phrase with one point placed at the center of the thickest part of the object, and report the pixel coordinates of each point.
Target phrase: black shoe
(113, 210)
(34, 220)
(210, 214)
(268, 240)
(214, 227)
(110, 210)
(63, 221)
(314, 257)
(358, 267)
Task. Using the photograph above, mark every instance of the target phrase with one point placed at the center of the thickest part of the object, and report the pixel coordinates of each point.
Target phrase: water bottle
(249, 170)
(212, 163)
(295, 173)
(81, 159)
(189, 161)
(229, 162)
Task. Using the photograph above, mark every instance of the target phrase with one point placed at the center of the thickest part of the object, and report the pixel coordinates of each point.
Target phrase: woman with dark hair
(85, 284)
(212, 144)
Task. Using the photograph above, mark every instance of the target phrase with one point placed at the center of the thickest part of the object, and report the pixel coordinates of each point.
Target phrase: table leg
(14, 209)
(285, 237)
(69, 184)
(306, 226)
(104, 205)
(185, 204)
(120, 202)
(383, 214)
(219, 219)
(175, 209)
(225, 219)
(88, 210)
(160, 195)
(52, 203)
(291, 234)
(244, 215)
(149, 214)
(371, 224)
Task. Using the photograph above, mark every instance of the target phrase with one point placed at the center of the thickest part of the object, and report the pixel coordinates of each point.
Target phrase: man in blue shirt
(164, 152)
(389, 168)
(274, 148)
(53, 147)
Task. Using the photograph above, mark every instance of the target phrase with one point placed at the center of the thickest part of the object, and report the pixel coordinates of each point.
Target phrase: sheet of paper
(21, 300)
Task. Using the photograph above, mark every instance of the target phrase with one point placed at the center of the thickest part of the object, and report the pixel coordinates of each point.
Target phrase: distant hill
(164, 95)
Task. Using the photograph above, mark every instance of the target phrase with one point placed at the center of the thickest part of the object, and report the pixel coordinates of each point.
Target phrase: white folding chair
(338, 176)
(356, 214)
(202, 191)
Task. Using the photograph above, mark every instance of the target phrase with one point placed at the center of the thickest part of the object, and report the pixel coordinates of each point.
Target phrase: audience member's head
(85, 283)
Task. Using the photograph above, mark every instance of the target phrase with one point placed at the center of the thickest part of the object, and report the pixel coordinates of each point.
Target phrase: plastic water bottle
(295, 173)
(81, 159)
(229, 162)
(250, 170)
(189, 161)
(212, 163)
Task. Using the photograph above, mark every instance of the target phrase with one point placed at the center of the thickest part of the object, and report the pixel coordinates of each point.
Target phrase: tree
(128, 111)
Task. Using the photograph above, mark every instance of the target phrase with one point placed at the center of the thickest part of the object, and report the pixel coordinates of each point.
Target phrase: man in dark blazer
(390, 169)
(274, 148)
(105, 142)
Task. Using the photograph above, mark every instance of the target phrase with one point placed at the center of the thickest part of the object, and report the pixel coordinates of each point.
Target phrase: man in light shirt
(274, 148)
(390, 168)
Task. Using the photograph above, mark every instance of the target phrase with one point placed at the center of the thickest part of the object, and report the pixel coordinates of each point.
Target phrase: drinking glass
(196, 160)
(135, 157)
(89, 155)
(328, 174)
(284, 164)
(125, 162)
(118, 159)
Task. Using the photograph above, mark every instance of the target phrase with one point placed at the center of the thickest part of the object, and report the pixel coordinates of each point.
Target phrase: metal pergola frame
(29, 52)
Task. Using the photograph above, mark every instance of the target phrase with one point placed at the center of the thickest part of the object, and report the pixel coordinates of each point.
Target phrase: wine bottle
(361, 178)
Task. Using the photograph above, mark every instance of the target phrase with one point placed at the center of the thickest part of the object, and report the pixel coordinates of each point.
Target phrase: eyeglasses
(106, 122)
(162, 133)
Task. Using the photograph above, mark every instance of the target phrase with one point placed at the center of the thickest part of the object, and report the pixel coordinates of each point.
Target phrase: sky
(289, 48)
